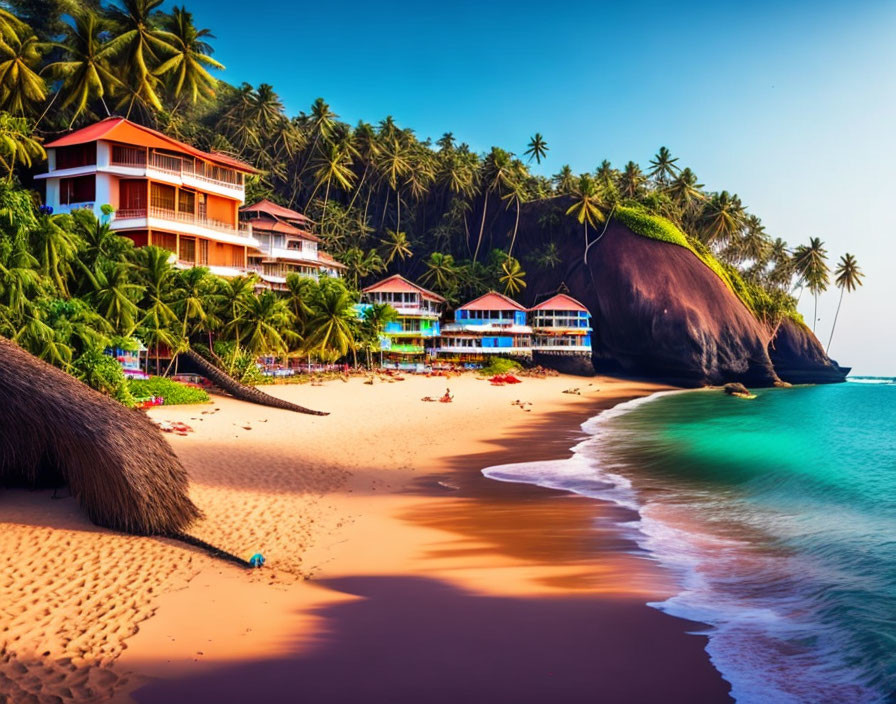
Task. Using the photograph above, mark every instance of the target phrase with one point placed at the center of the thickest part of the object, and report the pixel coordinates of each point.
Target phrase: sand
(389, 556)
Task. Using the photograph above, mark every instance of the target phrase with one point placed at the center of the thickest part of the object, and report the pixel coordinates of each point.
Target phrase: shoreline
(472, 586)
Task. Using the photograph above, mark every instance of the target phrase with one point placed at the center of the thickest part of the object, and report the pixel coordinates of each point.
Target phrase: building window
(162, 196)
(187, 250)
(132, 195)
(165, 240)
(236, 257)
(77, 190)
(75, 156)
(186, 202)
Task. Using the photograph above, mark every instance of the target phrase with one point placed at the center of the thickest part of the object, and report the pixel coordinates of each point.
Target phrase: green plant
(500, 365)
(103, 373)
(174, 393)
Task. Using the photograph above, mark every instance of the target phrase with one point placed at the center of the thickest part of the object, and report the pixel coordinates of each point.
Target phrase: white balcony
(184, 223)
(488, 328)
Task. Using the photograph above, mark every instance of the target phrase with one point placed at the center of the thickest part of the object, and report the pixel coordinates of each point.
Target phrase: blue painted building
(492, 324)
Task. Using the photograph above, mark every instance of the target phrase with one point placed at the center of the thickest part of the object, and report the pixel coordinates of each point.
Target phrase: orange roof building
(164, 192)
(286, 244)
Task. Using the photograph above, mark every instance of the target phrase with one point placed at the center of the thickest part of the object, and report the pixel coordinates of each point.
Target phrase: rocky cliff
(660, 312)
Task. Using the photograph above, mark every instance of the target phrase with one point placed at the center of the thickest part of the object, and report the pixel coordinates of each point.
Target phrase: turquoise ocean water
(777, 517)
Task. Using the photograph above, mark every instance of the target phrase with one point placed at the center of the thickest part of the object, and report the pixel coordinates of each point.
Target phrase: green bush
(174, 393)
(500, 365)
(103, 373)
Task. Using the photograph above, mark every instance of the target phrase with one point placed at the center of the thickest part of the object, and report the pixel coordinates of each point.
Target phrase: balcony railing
(176, 166)
(182, 216)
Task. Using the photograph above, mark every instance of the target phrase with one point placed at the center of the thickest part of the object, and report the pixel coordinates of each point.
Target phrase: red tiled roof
(398, 284)
(560, 302)
(284, 228)
(277, 211)
(118, 129)
(492, 301)
(327, 259)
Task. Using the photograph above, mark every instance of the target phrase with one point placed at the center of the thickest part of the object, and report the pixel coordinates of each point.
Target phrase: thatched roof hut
(116, 462)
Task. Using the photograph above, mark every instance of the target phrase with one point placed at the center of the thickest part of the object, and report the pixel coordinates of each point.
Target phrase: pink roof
(118, 129)
(278, 211)
(492, 301)
(269, 225)
(560, 302)
(398, 284)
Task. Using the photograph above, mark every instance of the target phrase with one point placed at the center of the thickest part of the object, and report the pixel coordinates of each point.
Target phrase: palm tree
(20, 86)
(330, 325)
(114, 296)
(394, 167)
(663, 166)
(140, 45)
(395, 244)
(85, 71)
(516, 195)
(17, 144)
(441, 272)
(513, 276)
(55, 248)
(810, 263)
(376, 317)
(686, 192)
(193, 301)
(587, 206)
(334, 164)
(721, 218)
(264, 324)
(538, 148)
(361, 264)
(155, 273)
(847, 277)
(188, 67)
(300, 292)
(496, 176)
(564, 180)
(631, 181)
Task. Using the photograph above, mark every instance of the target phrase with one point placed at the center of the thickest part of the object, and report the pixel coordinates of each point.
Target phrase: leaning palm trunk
(224, 381)
(834, 326)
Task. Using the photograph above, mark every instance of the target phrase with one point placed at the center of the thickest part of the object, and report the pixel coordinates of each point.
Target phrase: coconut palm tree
(810, 264)
(264, 324)
(663, 167)
(334, 164)
(564, 180)
(376, 317)
(516, 195)
(330, 327)
(21, 87)
(395, 244)
(496, 176)
(587, 206)
(538, 148)
(300, 291)
(721, 218)
(847, 277)
(114, 296)
(441, 272)
(55, 248)
(18, 146)
(394, 166)
(85, 70)
(513, 276)
(360, 264)
(686, 192)
(631, 181)
(187, 70)
(139, 46)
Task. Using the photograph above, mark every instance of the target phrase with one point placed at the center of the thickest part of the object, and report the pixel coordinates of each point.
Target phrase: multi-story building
(163, 192)
(286, 245)
(406, 340)
(490, 325)
(560, 325)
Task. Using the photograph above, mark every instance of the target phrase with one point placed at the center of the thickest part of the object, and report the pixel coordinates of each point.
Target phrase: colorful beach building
(409, 340)
(561, 325)
(286, 245)
(491, 325)
(164, 192)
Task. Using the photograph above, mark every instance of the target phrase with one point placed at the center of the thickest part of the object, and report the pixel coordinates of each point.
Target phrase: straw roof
(53, 428)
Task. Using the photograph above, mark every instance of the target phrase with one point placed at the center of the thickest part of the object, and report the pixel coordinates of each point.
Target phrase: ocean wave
(761, 637)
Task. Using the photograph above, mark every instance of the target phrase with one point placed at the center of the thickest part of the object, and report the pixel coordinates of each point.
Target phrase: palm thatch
(227, 383)
(53, 428)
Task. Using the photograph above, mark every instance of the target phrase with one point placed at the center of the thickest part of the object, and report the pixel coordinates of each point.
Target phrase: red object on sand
(500, 379)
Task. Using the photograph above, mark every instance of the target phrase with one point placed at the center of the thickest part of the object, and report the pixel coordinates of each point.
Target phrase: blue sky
(790, 105)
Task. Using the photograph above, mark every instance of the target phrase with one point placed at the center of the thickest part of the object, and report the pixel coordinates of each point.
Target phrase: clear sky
(792, 105)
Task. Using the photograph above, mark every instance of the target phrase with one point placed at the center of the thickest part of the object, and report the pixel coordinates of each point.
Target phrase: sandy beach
(395, 570)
